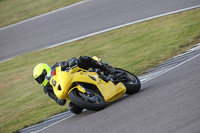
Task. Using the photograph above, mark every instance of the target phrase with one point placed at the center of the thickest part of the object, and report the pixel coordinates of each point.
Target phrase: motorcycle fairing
(64, 81)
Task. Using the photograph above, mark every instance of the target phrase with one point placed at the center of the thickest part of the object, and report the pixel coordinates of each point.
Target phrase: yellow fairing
(61, 83)
(111, 92)
(64, 81)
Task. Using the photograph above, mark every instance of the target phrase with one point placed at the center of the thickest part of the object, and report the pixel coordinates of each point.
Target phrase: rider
(42, 72)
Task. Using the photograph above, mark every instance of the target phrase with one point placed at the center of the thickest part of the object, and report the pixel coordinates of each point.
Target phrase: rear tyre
(89, 100)
(132, 83)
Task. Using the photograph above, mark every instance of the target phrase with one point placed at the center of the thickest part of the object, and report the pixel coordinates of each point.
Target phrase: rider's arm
(49, 91)
(63, 64)
(84, 62)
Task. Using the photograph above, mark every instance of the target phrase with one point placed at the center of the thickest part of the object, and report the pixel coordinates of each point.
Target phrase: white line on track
(99, 32)
(52, 124)
(117, 27)
(171, 68)
(39, 16)
(6, 60)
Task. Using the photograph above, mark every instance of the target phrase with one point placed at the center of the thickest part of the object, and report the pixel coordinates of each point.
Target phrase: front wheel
(130, 81)
(89, 100)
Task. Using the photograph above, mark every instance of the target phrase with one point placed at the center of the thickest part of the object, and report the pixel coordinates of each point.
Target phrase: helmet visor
(41, 78)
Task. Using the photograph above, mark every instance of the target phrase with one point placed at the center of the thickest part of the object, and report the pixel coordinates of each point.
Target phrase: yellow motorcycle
(92, 89)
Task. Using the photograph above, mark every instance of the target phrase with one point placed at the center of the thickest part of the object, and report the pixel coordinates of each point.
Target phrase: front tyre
(89, 100)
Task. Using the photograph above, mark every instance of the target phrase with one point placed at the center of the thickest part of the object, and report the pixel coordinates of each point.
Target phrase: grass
(12, 11)
(136, 48)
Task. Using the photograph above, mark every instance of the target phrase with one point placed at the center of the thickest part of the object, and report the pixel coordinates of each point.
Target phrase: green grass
(136, 48)
(12, 11)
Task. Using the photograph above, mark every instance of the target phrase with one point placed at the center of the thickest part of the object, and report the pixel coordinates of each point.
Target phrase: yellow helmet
(97, 59)
(39, 73)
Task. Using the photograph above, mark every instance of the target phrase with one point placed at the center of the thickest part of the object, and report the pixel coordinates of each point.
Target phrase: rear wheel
(89, 100)
(131, 82)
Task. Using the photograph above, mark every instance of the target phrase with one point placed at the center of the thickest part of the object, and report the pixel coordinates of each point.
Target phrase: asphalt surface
(149, 75)
(169, 103)
(86, 18)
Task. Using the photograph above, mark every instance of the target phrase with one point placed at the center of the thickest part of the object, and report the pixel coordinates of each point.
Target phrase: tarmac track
(169, 103)
(80, 20)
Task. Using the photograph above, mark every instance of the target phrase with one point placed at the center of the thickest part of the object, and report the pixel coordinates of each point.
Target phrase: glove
(61, 102)
(109, 69)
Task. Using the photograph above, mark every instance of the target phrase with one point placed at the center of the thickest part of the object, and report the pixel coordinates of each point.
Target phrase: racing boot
(74, 108)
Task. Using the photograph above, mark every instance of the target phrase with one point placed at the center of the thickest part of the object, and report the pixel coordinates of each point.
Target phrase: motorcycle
(92, 89)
